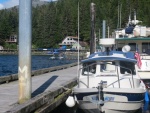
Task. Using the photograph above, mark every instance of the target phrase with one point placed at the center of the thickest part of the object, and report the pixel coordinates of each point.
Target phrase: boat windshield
(107, 66)
(127, 68)
(89, 68)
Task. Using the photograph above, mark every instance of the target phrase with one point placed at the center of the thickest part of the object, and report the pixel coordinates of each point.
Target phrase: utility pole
(92, 41)
(25, 35)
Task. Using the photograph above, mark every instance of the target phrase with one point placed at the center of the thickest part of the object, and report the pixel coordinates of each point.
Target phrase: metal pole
(99, 40)
(104, 28)
(120, 15)
(92, 41)
(25, 35)
(78, 46)
(99, 34)
(108, 31)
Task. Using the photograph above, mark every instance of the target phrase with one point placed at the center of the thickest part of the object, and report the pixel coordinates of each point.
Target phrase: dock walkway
(40, 84)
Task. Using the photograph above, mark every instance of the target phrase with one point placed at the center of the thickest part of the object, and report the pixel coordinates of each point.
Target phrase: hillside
(52, 21)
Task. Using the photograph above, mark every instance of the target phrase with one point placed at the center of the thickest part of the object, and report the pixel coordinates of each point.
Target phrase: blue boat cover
(129, 30)
(129, 56)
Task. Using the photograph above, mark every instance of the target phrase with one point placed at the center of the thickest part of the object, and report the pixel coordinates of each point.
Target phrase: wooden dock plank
(40, 84)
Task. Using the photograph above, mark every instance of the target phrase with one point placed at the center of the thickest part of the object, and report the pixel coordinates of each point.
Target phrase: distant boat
(60, 57)
(52, 58)
(57, 56)
(53, 52)
(138, 38)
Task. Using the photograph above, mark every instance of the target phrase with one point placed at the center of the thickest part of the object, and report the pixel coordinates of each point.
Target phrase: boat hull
(110, 107)
(116, 107)
(116, 102)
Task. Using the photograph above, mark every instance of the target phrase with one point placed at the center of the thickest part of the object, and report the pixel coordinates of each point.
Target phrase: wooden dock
(48, 91)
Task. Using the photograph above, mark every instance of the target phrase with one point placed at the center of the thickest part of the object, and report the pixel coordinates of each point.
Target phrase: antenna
(134, 17)
(120, 15)
(78, 42)
(129, 21)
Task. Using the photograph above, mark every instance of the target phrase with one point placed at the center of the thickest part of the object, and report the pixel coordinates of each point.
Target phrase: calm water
(64, 109)
(9, 63)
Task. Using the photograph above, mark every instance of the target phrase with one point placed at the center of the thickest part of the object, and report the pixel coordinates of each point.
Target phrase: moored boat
(138, 38)
(109, 82)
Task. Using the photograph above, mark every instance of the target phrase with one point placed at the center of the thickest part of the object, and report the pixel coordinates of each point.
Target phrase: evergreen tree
(53, 21)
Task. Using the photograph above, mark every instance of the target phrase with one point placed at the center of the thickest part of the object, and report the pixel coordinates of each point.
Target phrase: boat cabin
(117, 69)
(107, 68)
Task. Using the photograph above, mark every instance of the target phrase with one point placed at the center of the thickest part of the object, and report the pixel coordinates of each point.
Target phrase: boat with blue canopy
(108, 81)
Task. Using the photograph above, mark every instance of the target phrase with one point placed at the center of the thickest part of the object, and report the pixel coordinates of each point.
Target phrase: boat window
(119, 48)
(133, 46)
(107, 67)
(127, 68)
(145, 47)
(89, 68)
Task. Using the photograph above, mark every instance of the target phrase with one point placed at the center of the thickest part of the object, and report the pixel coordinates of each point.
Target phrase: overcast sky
(11, 3)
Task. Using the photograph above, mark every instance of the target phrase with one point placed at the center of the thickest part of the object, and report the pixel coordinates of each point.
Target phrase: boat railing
(88, 74)
(119, 79)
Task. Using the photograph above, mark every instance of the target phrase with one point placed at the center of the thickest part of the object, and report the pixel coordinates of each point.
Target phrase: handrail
(87, 85)
(131, 73)
(87, 74)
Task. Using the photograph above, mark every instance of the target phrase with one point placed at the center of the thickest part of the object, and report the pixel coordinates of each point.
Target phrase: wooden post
(24, 69)
(92, 39)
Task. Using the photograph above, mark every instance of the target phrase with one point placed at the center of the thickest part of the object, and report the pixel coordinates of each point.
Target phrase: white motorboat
(108, 82)
(57, 57)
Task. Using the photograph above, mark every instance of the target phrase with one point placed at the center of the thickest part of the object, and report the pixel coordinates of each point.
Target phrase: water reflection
(146, 107)
(64, 109)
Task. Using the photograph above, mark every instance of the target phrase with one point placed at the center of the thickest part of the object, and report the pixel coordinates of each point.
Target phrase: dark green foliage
(52, 22)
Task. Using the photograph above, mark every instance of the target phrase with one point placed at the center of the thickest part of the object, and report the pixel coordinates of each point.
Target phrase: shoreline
(68, 54)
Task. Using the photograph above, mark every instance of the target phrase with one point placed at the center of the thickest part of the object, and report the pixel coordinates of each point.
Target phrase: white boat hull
(117, 102)
(110, 107)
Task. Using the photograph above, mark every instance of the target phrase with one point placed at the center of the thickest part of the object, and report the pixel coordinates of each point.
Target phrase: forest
(53, 21)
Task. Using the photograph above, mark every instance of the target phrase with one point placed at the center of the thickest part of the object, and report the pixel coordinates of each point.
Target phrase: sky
(10, 3)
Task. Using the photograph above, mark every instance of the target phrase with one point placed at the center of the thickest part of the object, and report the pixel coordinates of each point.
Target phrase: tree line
(52, 22)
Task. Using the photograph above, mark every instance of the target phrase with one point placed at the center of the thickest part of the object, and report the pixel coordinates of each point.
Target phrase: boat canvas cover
(129, 57)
